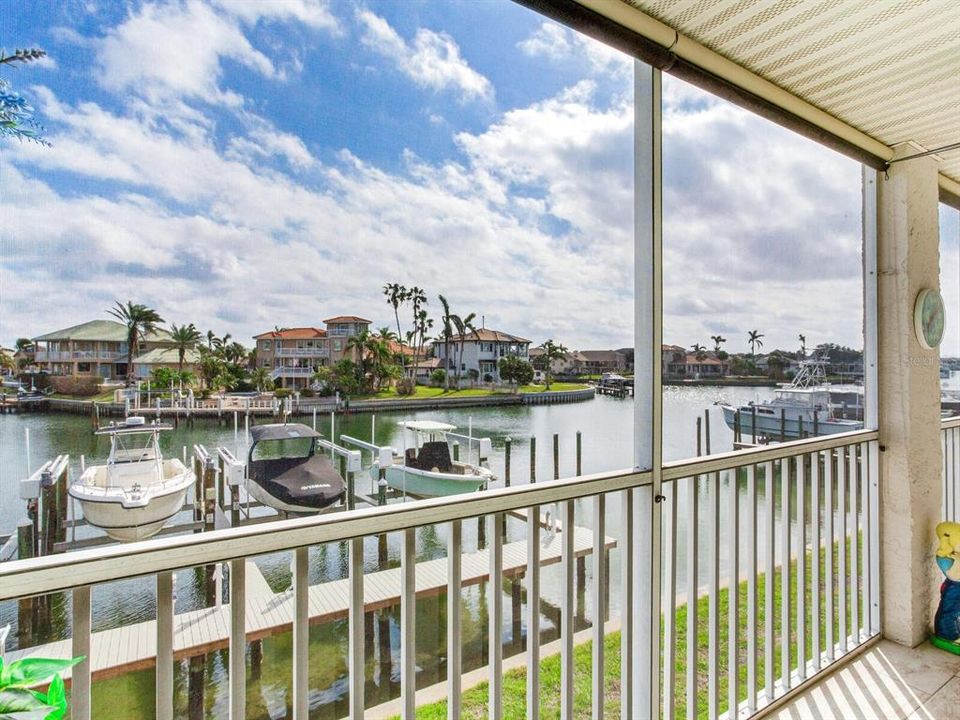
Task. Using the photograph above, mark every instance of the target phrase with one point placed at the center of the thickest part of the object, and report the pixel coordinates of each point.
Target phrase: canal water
(606, 425)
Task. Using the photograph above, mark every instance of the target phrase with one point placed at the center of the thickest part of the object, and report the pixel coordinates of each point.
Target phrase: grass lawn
(514, 681)
(104, 397)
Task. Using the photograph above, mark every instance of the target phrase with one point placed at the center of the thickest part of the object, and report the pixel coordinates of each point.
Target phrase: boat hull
(770, 426)
(127, 524)
(424, 483)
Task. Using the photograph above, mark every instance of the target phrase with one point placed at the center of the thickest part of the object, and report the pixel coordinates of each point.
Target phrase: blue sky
(245, 164)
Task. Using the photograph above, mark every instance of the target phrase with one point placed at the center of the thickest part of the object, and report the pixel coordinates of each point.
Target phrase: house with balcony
(165, 357)
(96, 348)
(482, 350)
(292, 355)
(791, 580)
(690, 366)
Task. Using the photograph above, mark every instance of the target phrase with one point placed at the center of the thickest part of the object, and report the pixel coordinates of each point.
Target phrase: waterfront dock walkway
(133, 647)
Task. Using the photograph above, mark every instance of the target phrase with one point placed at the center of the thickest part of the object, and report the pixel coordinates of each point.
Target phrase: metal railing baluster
(733, 593)
(752, 589)
(693, 592)
(356, 664)
(669, 603)
(713, 629)
(599, 598)
(567, 603)
(495, 617)
(301, 633)
(238, 639)
(408, 624)
(454, 637)
(533, 613)
(80, 646)
(164, 668)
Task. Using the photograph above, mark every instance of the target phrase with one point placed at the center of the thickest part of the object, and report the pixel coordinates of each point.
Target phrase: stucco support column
(908, 397)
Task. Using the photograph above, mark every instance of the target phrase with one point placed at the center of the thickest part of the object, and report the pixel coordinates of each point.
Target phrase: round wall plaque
(929, 318)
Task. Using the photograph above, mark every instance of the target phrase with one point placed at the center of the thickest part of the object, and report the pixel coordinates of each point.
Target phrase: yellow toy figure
(946, 625)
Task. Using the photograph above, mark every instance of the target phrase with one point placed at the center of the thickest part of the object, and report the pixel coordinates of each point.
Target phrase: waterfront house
(596, 362)
(827, 541)
(573, 363)
(165, 357)
(293, 354)
(96, 348)
(690, 367)
(670, 357)
(482, 350)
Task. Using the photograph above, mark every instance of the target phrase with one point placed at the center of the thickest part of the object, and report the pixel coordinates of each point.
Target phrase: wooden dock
(133, 647)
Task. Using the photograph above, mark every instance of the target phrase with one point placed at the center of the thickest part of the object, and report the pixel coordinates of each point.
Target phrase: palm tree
(551, 351)
(464, 325)
(755, 341)
(718, 340)
(421, 326)
(140, 321)
(261, 378)
(417, 299)
(699, 352)
(803, 346)
(184, 338)
(446, 332)
(397, 295)
(357, 345)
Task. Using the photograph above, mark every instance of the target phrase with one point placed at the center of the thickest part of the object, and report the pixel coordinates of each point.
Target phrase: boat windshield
(286, 448)
(134, 447)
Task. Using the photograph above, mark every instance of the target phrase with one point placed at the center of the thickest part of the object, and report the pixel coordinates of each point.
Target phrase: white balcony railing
(78, 355)
(950, 436)
(303, 352)
(284, 371)
(765, 521)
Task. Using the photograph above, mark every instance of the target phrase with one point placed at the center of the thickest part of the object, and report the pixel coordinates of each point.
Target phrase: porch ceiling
(889, 69)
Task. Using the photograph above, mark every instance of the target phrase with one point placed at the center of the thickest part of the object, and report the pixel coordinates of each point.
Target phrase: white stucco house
(482, 350)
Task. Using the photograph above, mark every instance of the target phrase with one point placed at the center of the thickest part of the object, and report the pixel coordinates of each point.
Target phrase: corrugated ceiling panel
(890, 68)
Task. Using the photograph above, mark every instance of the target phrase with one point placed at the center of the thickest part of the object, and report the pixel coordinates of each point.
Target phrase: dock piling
(556, 456)
(506, 461)
(579, 453)
(533, 459)
(706, 431)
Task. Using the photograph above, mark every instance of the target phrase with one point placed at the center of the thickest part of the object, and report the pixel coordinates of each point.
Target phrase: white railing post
(626, 607)
(751, 589)
(533, 613)
(495, 616)
(733, 593)
(238, 639)
(769, 649)
(693, 592)
(713, 621)
(356, 666)
(454, 640)
(408, 620)
(785, 573)
(164, 691)
(669, 603)
(567, 601)
(301, 633)
(80, 647)
(599, 590)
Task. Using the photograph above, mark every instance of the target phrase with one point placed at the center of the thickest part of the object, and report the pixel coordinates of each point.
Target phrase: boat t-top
(426, 469)
(286, 473)
(137, 491)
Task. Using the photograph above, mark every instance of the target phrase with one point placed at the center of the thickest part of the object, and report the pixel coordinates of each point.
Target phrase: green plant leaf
(20, 700)
(32, 671)
(57, 697)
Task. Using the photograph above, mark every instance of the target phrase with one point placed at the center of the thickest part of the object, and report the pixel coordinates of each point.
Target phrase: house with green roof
(98, 348)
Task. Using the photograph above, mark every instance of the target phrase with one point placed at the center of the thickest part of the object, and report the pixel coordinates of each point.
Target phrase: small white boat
(426, 469)
(134, 495)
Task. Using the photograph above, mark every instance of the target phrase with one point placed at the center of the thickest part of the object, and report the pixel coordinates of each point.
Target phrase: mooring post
(25, 614)
(195, 688)
(581, 617)
(256, 658)
(533, 459)
(699, 436)
(382, 487)
(706, 431)
(221, 476)
(48, 513)
(516, 629)
(209, 523)
(736, 427)
(63, 501)
(579, 453)
(783, 424)
(506, 461)
(197, 490)
(800, 427)
(753, 422)
(556, 456)
(816, 423)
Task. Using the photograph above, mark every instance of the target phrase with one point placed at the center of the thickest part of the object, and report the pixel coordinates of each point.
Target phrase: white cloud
(176, 50)
(313, 13)
(432, 60)
(560, 44)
